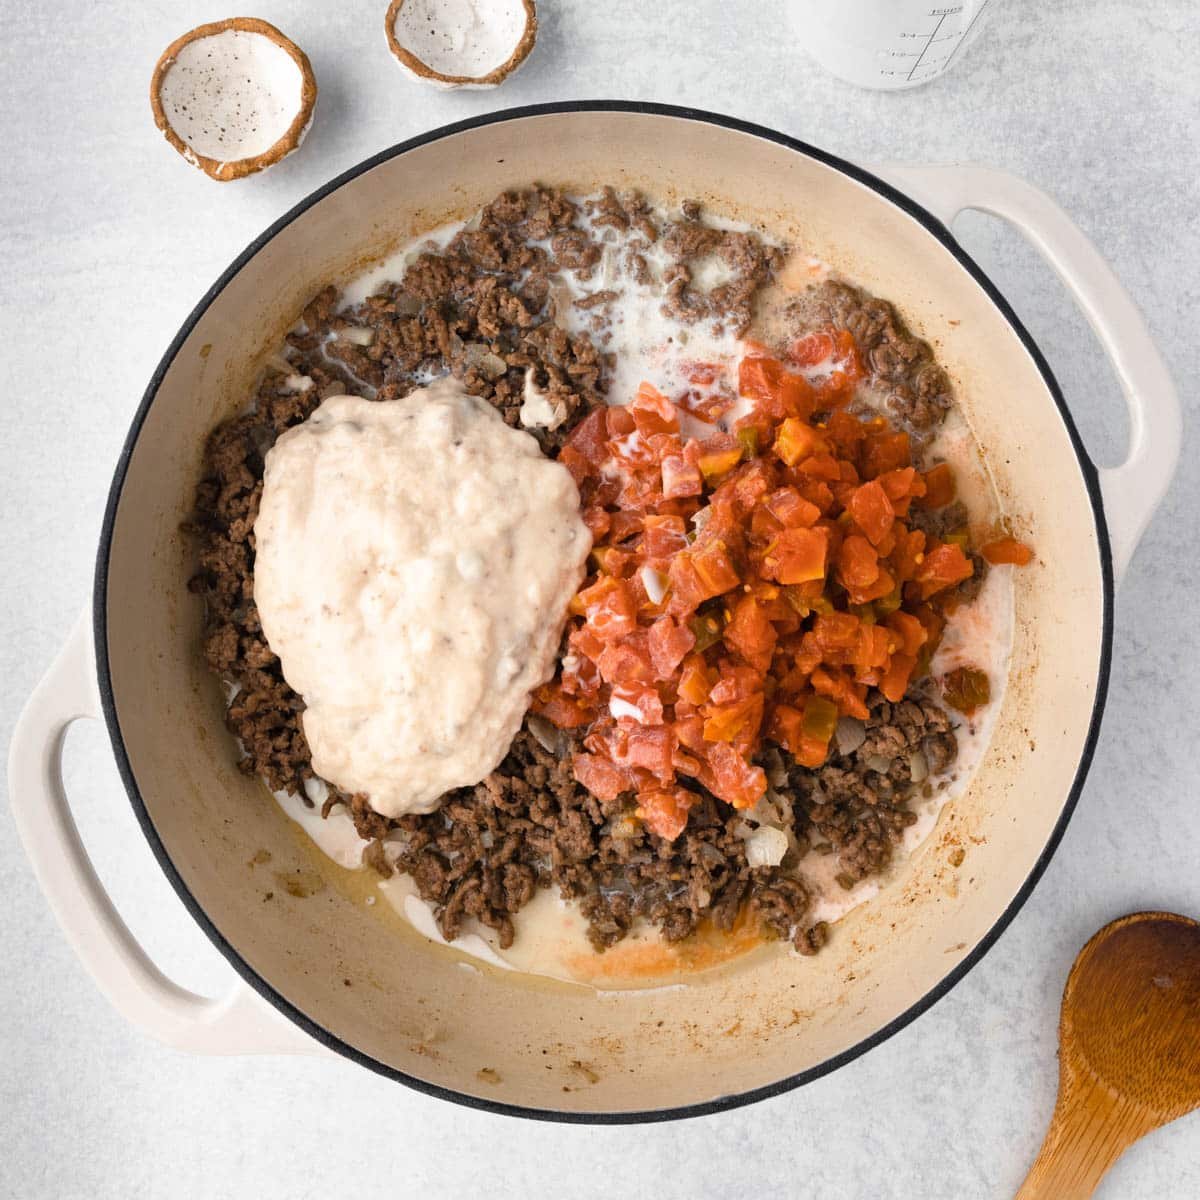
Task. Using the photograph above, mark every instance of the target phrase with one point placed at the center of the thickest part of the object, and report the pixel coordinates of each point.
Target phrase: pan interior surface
(383, 993)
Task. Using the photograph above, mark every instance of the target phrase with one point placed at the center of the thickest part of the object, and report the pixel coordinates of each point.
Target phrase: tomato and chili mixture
(750, 585)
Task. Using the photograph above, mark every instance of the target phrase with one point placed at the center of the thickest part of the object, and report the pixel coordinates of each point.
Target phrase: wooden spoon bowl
(1129, 1050)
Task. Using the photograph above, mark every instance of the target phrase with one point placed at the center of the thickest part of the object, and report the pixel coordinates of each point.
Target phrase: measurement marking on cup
(944, 14)
(966, 33)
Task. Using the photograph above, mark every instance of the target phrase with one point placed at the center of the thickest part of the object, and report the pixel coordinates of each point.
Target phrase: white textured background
(107, 239)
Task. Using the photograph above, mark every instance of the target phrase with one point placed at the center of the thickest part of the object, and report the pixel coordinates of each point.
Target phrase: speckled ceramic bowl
(345, 982)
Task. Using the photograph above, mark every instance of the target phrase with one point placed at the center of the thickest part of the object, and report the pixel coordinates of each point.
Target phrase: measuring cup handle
(1132, 491)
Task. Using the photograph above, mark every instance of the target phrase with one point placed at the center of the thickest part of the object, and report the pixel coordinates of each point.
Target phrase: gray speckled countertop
(107, 239)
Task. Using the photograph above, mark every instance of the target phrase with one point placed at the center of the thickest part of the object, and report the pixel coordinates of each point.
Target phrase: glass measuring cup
(888, 44)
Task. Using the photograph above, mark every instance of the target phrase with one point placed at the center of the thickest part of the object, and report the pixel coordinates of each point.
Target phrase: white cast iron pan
(495, 1040)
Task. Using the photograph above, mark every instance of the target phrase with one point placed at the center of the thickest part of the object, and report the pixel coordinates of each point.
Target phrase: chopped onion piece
(546, 735)
(655, 583)
(622, 708)
(851, 733)
(918, 766)
(766, 846)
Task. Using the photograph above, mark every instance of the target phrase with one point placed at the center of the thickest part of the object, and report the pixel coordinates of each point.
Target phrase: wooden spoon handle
(1090, 1129)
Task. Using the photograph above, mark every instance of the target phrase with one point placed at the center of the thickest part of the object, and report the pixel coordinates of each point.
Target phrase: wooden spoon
(1129, 1050)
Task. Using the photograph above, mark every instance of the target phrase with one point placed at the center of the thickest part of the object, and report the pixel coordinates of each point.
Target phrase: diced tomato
(790, 509)
(883, 586)
(913, 635)
(625, 663)
(758, 378)
(665, 535)
(601, 777)
(665, 810)
(872, 511)
(902, 486)
(821, 466)
(798, 555)
(817, 492)
(749, 484)
(943, 566)
(653, 412)
(687, 589)
(739, 720)
(651, 749)
(797, 440)
(847, 354)
(590, 437)
(940, 487)
(597, 520)
(873, 650)
(615, 562)
(887, 543)
(736, 683)
(670, 644)
(716, 463)
(908, 554)
(680, 478)
(618, 420)
(786, 726)
(689, 732)
(883, 452)
(812, 349)
(751, 634)
(694, 682)
(609, 608)
(567, 712)
(895, 680)
(708, 407)
(579, 466)
(747, 622)
(850, 697)
(1008, 550)
(933, 623)
(733, 779)
(714, 568)
(776, 391)
(584, 641)
(858, 563)
(625, 525)
(834, 631)
(846, 433)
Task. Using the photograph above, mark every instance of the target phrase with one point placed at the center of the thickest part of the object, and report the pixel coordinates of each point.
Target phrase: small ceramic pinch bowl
(461, 43)
(233, 97)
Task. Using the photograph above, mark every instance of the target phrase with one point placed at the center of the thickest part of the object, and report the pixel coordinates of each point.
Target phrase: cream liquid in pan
(551, 936)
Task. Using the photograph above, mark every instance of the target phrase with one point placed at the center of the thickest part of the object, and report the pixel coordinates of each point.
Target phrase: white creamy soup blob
(415, 559)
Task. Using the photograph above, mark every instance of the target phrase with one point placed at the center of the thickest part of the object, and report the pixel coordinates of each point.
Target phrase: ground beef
(856, 804)
(488, 848)
(901, 367)
(627, 211)
(750, 261)
(482, 308)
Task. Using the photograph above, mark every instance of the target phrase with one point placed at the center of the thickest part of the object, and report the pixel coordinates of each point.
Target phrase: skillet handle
(1133, 491)
(236, 1023)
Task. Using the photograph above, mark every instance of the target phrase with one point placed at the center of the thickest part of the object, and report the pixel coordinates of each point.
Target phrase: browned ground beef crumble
(484, 308)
